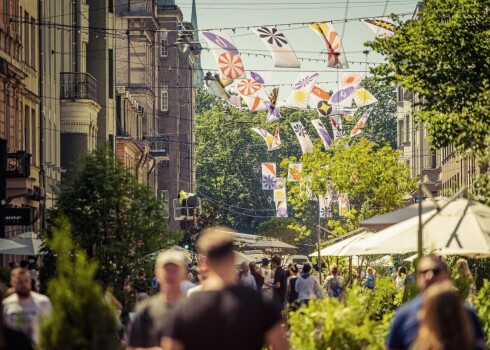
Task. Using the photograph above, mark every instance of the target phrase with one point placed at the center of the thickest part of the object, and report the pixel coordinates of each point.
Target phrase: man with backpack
(334, 285)
(307, 286)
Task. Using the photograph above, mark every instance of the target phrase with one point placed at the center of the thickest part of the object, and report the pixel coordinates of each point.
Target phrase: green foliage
(328, 324)
(383, 299)
(374, 179)
(115, 220)
(82, 318)
(444, 57)
(483, 308)
(280, 228)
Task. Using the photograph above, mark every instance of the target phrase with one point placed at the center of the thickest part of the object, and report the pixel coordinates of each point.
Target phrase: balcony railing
(158, 146)
(18, 165)
(78, 86)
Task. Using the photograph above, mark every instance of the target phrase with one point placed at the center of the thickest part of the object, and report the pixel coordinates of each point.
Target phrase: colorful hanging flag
(215, 88)
(322, 132)
(295, 171)
(273, 142)
(350, 79)
(298, 98)
(381, 26)
(231, 65)
(337, 127)
(335, 52)
(348, 113)
(268, 176)
(254, 103)
(303, 138)
(225, 53)
(273, 94)
(324, 205)
(319, 94)
(362, 97)
(235, 101)
(282, 53)
(280, 191)
(273, 113)
(343, 97)
(282, 209)
(248, 87)
(360, 124)
(262, 77)
(344, 204)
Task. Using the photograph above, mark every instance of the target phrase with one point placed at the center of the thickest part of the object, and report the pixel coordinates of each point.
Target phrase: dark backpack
(337, 289)
(293, 295)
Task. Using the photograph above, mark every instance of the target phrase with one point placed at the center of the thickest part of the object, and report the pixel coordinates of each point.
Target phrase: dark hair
(402, 269)
(24, 264)
(294, 268)
(265, 261)
(307, 268)
(276, 260)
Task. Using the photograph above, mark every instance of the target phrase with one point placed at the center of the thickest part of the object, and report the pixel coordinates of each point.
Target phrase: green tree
(373, 178)
(115, 219)
(82, 318)
(280, 228)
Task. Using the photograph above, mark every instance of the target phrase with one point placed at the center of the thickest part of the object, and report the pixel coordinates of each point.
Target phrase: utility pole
(3, 184)
(42, 172)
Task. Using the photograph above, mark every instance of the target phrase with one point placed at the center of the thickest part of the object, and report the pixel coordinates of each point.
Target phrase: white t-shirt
(25, 315)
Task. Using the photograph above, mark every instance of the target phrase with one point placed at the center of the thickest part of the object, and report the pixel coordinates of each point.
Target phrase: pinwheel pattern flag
(282, 209)
(295, 172)
(381, 26)
(248, 87)
(282, 53)
(357, 129)
(324, 205)
(254, 103)
(280, 191)
(268, 176)
(303, 138)
(226, 54)
(335, 52)
(298, 98)
(322, 132)
(350, 79)
(273, 142)
(344, 204)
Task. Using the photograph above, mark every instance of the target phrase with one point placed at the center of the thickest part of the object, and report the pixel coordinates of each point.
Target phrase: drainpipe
(42, 172)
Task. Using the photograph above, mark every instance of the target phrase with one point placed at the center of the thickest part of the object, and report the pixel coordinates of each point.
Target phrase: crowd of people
(247, 308)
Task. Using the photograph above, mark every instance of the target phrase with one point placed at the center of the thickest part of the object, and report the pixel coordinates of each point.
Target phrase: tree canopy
(115, 219)
(444, 57)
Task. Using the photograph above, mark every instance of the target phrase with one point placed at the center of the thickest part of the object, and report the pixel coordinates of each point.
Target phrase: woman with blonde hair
(444, 321)
(464, 282)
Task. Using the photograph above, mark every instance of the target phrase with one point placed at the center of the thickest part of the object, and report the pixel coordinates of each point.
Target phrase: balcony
(158, 146)
(18, 165)
(78, 86)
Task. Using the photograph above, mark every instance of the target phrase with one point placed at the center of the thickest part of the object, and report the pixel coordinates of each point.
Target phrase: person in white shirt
(245, 278)
(24, 309)
(307, 286)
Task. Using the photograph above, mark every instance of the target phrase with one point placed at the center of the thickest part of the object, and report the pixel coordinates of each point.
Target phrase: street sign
(18, 216)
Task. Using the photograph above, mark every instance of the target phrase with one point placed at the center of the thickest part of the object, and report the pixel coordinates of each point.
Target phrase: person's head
(24, 264)
(245, 268)
(370, 271)
(252, 267)
(20, 280)
(334, 269)
(431, 270)
(217, 248)
(275, 262)
(265, 262)
(444, 321)
(294, 269)
(13, 265)
(170, 270)
(463, 269)
(402, 270)
(307, 268)
(202, 272)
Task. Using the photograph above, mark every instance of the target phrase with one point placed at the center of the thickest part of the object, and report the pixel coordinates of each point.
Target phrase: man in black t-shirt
(279, 286)
(223, 315)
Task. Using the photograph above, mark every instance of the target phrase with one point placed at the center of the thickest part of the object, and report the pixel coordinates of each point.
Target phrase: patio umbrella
(462, 227)
(271, 244)
(385, 220)
(6, 244)
(345, 247)
(240, 257)
(28, 240)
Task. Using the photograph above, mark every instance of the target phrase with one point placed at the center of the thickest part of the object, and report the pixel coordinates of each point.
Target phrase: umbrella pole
(319, 258)
(419, 233)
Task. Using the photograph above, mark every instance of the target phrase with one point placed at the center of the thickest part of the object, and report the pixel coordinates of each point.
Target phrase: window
(111, 73)
(407, 128)
(164, 197)
(400, 132)
(164, 98)
(433, 164)
(163, 44)
(400, 94)
(27, 44)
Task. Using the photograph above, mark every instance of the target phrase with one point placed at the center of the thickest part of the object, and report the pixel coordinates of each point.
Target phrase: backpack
(336, 288)
(293, 294)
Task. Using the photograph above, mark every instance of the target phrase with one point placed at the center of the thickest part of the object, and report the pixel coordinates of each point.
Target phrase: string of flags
(250, 91)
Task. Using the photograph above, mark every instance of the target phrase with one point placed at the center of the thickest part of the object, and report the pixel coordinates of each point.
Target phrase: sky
(217, 14)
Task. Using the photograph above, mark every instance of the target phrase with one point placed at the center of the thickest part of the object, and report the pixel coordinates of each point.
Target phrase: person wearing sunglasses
(405, 325)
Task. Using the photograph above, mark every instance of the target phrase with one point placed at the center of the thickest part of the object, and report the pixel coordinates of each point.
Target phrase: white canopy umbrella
(346, 247)
(461, 227)
(30, 244)
(240, 257)
(6, 244)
